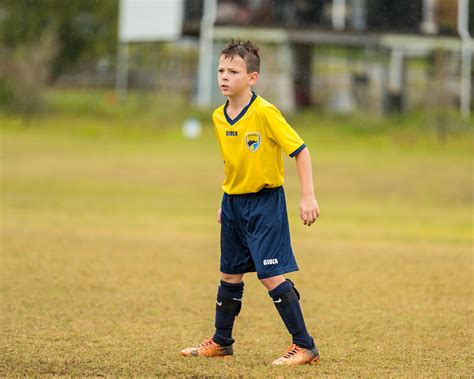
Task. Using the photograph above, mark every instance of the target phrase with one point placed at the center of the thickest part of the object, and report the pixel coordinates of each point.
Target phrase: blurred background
(376, 56)
(110, 182)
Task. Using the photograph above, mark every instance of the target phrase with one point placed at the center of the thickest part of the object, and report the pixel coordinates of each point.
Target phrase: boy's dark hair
(248, 51)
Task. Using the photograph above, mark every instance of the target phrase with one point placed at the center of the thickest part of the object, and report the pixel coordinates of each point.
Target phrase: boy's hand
(309, 210)
(219, 215)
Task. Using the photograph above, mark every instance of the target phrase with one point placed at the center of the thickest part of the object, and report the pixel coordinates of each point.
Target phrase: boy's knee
(232, 278)
(273, 282)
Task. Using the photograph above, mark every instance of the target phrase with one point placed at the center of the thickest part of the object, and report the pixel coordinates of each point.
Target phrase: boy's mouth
(223, 87)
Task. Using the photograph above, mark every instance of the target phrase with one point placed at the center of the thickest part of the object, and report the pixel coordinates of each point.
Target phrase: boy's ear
(253, 77)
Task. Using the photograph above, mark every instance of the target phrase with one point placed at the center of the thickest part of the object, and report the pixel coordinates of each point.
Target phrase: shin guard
(286, 300)
(228, 305)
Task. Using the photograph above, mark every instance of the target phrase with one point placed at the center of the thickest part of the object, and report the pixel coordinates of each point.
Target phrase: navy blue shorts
(255, 235)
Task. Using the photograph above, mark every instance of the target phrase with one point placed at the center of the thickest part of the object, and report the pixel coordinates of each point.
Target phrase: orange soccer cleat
(208, 348)
(298, 356)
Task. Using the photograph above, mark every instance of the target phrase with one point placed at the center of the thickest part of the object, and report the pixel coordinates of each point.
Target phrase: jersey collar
(242, 112)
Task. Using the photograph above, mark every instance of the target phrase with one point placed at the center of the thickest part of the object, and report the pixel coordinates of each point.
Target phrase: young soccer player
(254, 223)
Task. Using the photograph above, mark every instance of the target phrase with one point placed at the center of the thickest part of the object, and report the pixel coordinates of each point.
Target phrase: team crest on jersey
(253, 141)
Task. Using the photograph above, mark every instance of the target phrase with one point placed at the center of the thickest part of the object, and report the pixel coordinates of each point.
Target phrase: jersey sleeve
(282, 133)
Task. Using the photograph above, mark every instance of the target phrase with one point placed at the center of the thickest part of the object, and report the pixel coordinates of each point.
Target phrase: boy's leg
(228, 304)
(286, 300)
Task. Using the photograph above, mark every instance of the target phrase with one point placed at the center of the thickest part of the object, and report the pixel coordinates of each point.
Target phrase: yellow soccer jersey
(251, 145)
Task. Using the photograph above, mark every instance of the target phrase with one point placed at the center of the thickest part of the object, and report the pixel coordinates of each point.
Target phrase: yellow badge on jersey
(253, 141)
(251, 146)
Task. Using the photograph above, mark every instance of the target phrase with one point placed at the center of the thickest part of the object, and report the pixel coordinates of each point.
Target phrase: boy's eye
(221, 70)
(233, 72)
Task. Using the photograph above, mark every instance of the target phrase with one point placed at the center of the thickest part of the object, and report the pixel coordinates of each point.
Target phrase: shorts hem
(237, 271)
(281, 271)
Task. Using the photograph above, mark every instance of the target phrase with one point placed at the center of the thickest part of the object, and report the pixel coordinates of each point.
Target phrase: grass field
(110, 248)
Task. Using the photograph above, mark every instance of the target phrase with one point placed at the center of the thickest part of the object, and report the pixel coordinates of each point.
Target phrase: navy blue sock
(228, 303)
(286, 300)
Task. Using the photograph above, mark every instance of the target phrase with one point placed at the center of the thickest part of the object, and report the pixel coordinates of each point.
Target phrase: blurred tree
(28, 71)
(40, 39)
(85, 29)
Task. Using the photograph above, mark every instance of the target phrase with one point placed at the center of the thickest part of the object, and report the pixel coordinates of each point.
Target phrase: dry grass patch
(110, 258)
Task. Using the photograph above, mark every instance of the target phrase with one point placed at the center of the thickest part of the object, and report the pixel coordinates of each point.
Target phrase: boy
(254, 223)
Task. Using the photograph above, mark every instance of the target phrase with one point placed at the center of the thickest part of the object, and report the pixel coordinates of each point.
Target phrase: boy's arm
(309, 209)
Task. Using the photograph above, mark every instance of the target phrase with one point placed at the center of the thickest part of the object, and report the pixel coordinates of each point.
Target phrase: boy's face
(233, 77)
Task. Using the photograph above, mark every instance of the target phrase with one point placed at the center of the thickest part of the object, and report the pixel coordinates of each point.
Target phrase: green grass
(110, 248)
